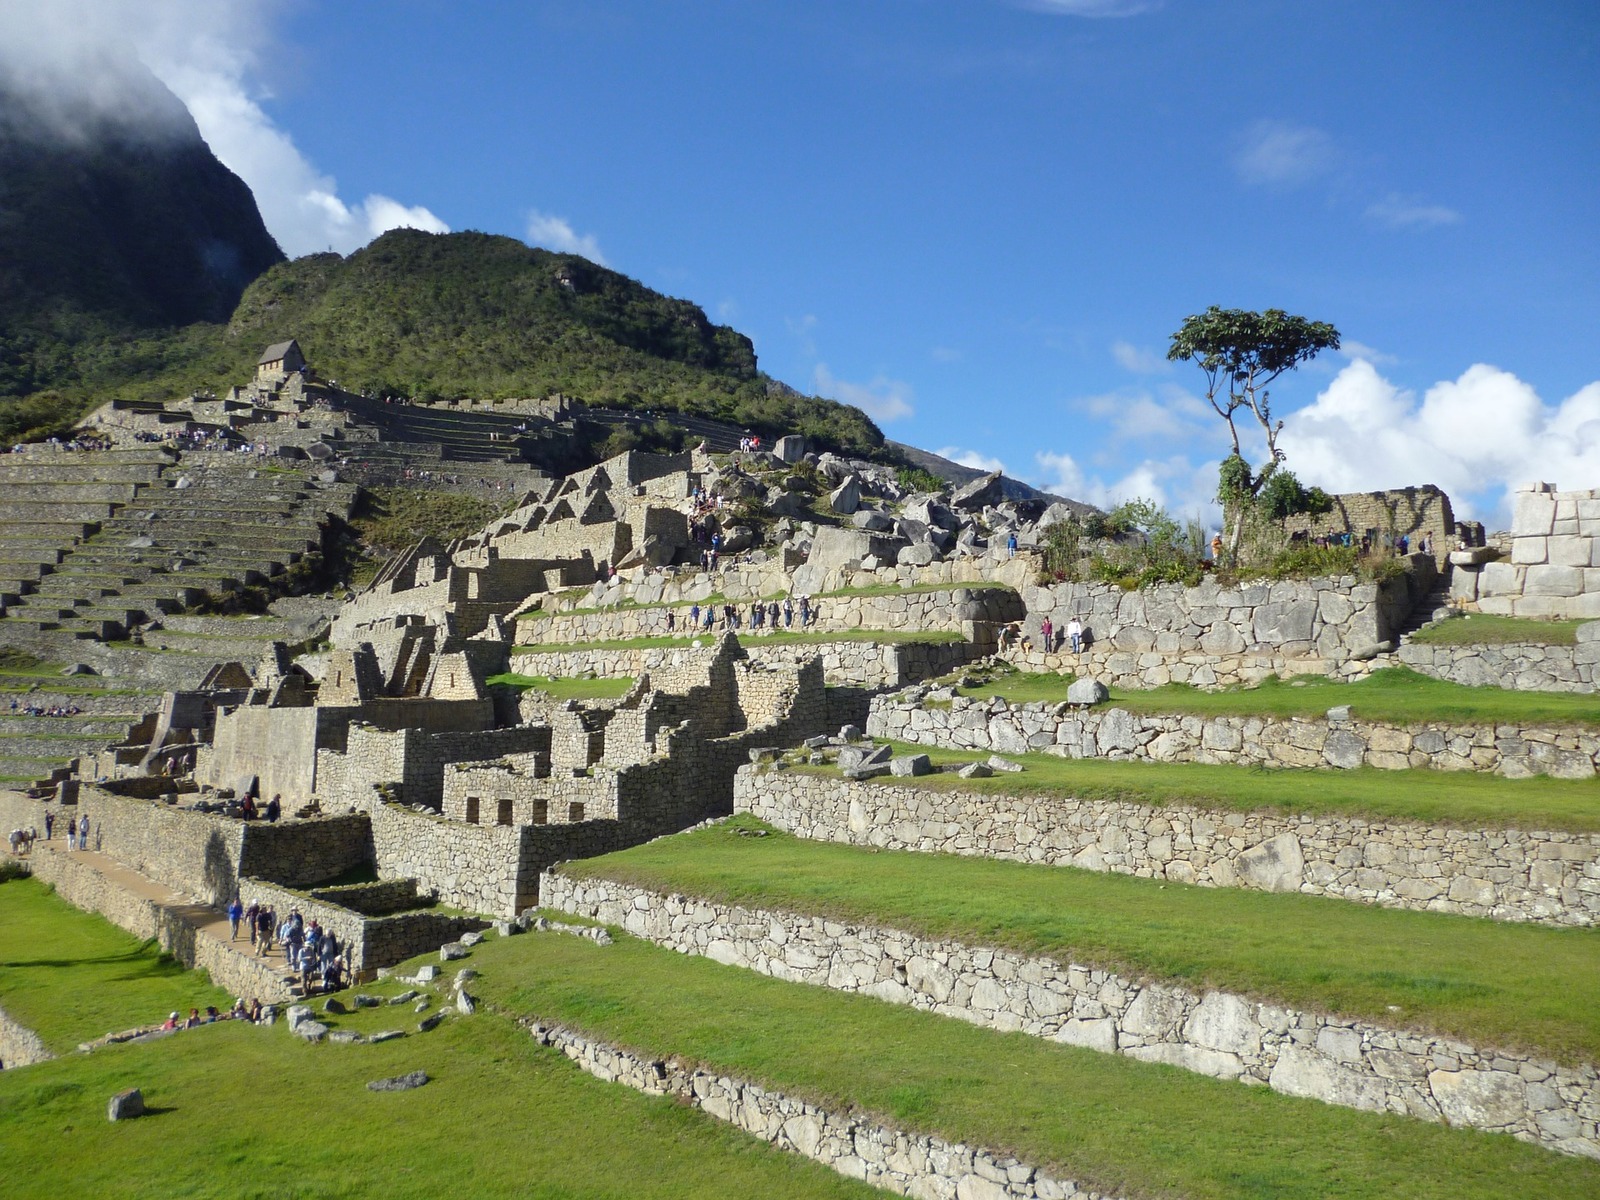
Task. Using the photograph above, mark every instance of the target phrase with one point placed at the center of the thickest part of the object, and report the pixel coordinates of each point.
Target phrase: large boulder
(846, 498)
(790, 449)
(873, 521)
(979, 494)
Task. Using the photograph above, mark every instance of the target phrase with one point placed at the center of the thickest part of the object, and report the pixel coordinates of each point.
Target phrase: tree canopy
(1241, 353)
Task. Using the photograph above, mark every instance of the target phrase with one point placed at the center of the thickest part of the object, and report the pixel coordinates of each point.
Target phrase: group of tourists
(241, 1011)
(762, 614)
(43, 710)
(1050, 638)
(309, 949)
(750, 444)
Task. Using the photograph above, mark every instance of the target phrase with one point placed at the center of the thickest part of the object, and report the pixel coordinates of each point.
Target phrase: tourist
(194, 1019)
(788, 611)
(805, 611)
(255, 1010)
(672, 621)
(212, 1015)
(274, 809)
(83, 834)
(251, 916)
(49, 825)
(235, 912)
(1047, 635)
(1075, 635)
(694, 616)
(1011, 545)
(1216, 547)
(72, 833)
(171, 1022)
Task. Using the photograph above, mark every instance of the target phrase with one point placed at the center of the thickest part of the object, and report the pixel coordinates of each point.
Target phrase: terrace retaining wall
(1522, 667)
(864, 664)
(909, 1164)
(1505, 874)
(1515, 751)
(1351, 1063)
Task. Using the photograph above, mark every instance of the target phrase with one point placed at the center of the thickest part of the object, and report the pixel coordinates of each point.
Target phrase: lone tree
(1241, 353)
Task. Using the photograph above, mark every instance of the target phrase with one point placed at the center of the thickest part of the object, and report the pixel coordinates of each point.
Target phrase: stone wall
(1352, 1063)
(369, 942)
(1554, 570)
(19, 1045)
(1508, 875)
(1567, 752)
(1315, 619)
(859, 663)
(910, 1164)
(202, 855)
(956, 610)
(1408, 512)
(82, 885)
(1523, 667)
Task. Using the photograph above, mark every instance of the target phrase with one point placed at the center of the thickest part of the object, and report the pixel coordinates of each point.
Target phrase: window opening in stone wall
(541, 812)
(472, 810)
(503, 817)
(575, 811)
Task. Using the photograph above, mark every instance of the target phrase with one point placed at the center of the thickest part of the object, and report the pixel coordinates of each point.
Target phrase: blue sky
(983, 220)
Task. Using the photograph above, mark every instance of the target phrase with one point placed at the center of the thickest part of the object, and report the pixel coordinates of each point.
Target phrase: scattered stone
(345, 1037)
(427, 973)
(297, 1015)
(334, 1005)
(126, 1105)
(911, 764)
(451, 951)
(405, 997)
(979, 494)
(78, 669)
(386, 1035)
(1087, 692)
(850, 733)
(362, 1001)
(465, 1004)
(816, 743)
(422, 1005)
(429, 1024)
(312, 1031)
(399, 1083)
(975, 770)
(996, 763)
(1371, 651)
(467, 973)
(506, 928)
(471, 939)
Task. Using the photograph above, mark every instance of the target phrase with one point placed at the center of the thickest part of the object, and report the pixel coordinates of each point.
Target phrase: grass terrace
(1457, 798)
(1128, 1128)
(1396, 694)
(232, 1108)
(566, 688)
(71, 977)
(1484, 629)
(1488, 982)
(782, 637)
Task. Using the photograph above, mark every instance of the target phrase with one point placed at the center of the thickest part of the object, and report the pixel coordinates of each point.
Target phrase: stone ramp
(197, 935)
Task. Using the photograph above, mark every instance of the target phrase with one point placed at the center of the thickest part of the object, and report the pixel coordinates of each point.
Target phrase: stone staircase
(1431, 607)
(719, 437)
(104, 540)
(34, 748)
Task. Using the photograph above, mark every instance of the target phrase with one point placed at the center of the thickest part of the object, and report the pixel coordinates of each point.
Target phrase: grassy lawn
(783, 637)
(1460, 798)
(1126, 1127)
(1485, 629)
(567, 689)
(71, 976)
(1488, 982)
(1396, 694)
(241, 1111)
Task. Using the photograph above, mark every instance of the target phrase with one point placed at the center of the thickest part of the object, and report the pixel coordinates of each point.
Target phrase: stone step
(25, 474)
(57, 511)
(56, 532)
(73, 493)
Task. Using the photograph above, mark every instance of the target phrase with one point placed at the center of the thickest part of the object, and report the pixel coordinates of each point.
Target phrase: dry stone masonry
(1352, 1063)
(1336, 740)
(1554, 570)
(1508, 875)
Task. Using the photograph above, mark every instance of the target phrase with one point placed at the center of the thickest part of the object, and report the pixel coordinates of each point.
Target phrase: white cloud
(1182, 487)
(211, 55)
(945, 354)
(1409, 212)
(1475, 436)
(883, 399)
(1137, 414)
(556, 233)
(1353, 350)
(1092, 8)
(971, 458)
(1282, 154)
(1141, 362)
